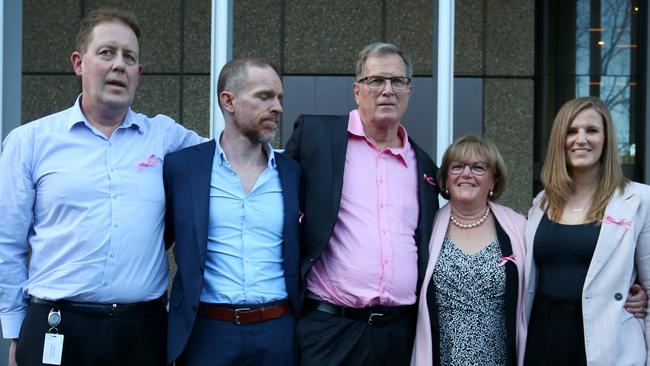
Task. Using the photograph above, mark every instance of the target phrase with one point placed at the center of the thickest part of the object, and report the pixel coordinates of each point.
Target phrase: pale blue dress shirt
(90, 208)
(244, 263)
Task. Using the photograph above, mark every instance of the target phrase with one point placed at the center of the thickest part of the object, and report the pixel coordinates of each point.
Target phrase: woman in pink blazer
(588, 241)
(470, 309)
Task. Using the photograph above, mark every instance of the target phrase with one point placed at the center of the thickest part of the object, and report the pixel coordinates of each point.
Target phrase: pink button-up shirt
(371, 258)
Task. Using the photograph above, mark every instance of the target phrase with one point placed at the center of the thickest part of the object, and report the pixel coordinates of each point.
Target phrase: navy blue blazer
(187, 176)
(319, 143)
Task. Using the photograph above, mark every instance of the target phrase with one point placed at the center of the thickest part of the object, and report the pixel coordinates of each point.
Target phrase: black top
(512, 293)
(562, 254)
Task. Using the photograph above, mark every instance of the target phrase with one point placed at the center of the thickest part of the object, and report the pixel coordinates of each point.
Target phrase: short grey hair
(381, 49)
(234, 74)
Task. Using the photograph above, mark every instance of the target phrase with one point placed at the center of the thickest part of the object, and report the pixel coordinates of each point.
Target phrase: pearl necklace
(471, 224)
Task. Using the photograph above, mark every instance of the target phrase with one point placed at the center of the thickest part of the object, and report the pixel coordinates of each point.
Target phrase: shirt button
(618, 296)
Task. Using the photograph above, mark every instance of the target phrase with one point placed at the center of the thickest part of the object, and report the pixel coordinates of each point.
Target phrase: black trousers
(555, 333)
(98, 340)
(327, 339)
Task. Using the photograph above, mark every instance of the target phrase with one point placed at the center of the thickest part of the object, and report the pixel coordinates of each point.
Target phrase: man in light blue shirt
(81, 239)
(232, 209)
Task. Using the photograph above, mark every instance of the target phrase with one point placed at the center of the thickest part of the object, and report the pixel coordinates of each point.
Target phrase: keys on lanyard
(53, 346)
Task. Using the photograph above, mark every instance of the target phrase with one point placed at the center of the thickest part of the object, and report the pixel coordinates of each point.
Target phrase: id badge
(53, 349)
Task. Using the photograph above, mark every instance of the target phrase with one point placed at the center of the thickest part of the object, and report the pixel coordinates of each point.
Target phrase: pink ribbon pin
(300, 217)
(623, 222)
(429, 180)
(504, 260)
(151, 161)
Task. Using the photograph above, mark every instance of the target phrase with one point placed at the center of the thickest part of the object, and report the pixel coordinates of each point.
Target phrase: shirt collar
(355, 127)
(77, 116)
(221, 157)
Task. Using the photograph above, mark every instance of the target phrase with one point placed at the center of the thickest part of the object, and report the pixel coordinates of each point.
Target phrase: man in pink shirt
(369, 198)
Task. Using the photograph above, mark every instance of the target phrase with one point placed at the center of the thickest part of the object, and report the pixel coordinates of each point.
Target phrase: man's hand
(12, 353)
(637, 301)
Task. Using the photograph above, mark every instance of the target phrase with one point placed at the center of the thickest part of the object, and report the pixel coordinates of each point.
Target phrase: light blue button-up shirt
(90, 208)
(244, 263)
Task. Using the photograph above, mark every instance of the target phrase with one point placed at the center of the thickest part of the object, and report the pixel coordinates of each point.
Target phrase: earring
(446, 192)
(491, 193)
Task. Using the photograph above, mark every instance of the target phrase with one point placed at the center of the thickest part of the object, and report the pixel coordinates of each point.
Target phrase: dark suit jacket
(186, 176)
(319, 144)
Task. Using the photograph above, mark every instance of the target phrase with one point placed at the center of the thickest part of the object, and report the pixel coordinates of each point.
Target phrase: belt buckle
(237, 313)
(372, 317)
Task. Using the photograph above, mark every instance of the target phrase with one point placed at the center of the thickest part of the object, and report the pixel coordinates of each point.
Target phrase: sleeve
(177, 136)
(643, 264)
(16, 207)
(169, 202)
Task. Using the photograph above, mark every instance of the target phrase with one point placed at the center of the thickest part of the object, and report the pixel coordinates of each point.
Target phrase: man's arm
(12, 353)
(169, 205)
(17, 194)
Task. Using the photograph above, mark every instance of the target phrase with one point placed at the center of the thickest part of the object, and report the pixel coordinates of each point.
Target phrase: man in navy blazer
(369, 198)
(232, 209)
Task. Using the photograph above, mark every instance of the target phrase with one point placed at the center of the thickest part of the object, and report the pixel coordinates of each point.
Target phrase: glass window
(590, 47)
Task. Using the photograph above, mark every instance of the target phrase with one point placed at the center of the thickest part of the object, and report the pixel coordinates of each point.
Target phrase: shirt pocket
(149, 181)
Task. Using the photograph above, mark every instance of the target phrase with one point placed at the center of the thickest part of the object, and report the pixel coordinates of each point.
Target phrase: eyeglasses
(476, 168)
(378, 83)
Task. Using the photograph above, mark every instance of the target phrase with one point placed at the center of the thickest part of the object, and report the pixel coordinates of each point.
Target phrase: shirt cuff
(11, 324)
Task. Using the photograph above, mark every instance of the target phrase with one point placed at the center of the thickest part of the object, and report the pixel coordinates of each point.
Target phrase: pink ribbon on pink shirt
(623, 222)
(151, 161)
(429, 180)
(504, 260)
(300, 216)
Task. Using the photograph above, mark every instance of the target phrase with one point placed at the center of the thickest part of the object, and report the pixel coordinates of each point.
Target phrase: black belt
(375, 315)
(90, 308)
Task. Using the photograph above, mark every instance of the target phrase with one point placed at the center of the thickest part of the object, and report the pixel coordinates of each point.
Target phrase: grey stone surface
(257, 30)
(325, 36)
(47, 94)
(196, 42)
(411, 28)
(196, 104)
(509, 115)
(469, 38)
(49, 29)
(160, 23)
(159, 94)
(510, 37)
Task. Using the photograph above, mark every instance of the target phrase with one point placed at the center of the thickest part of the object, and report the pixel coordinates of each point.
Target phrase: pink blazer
(612, 335)
(514, 225)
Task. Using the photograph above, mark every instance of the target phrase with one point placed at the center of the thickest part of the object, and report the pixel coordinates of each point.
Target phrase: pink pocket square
(623, 222)
(152, 160)
(429, 180)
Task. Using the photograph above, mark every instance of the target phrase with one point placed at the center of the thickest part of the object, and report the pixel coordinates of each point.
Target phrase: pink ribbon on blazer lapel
(504, 260)
(429, 180)
(623, 222)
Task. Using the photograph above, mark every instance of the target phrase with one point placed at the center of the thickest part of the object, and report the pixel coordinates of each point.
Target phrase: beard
(259, 133)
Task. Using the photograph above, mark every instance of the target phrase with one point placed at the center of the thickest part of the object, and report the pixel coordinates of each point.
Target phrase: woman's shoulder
(635, 189)
(508, 212)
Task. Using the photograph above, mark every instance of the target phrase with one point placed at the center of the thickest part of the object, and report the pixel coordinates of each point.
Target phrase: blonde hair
(470, 147)
(556, 178)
